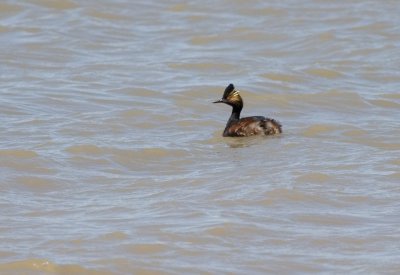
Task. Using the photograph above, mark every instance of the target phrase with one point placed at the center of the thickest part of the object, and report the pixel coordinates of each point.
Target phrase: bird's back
(250, 126)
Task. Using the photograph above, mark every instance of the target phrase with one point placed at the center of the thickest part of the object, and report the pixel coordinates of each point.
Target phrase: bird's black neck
(235, 115)
(235, 112)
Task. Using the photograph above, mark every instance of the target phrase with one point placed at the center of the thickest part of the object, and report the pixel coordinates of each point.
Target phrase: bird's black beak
(220, 101)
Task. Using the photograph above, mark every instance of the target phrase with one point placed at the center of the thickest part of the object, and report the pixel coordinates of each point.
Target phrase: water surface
(111, 155)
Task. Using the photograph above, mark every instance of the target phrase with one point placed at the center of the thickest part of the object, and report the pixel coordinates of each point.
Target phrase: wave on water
(42, 266)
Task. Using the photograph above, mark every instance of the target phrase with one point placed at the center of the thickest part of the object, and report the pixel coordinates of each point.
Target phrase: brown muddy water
(111, 155)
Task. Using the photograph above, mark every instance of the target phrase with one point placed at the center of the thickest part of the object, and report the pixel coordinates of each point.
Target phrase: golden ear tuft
(235, 93)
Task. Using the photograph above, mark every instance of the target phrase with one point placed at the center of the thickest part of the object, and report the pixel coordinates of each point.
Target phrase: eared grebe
(247, 126)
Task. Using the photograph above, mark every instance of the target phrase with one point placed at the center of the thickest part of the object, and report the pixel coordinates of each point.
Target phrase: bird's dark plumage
(247, 126)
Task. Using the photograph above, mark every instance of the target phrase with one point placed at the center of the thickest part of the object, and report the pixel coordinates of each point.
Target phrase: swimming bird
(247, 126)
